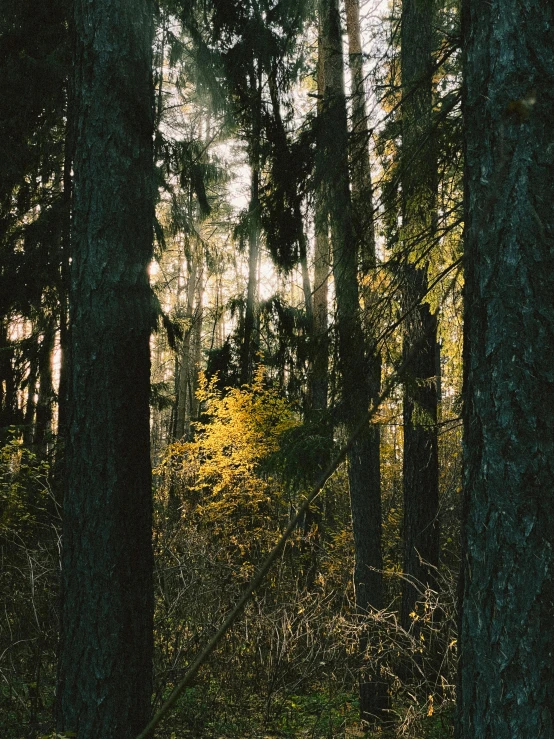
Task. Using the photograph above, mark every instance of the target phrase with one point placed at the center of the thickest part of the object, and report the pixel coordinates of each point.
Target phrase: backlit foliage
(219, 477)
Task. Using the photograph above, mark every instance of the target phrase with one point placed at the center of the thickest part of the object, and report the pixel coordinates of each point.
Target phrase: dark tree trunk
(65, 363)
(247, 353)
(317, 314)
(9, 410)
(419, 188)
(31, 405)
(196, 349)
(65, 344)
(507, 639)
(358, 387)
(362, 208)
(105, 657)
(318, 379)
(185, 364)
(306, 286)
(420, 462)
(249, 339)
(44, 409)
(362, 191)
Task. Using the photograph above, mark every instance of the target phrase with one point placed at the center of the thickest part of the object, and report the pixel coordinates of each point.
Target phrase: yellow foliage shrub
(219, 477)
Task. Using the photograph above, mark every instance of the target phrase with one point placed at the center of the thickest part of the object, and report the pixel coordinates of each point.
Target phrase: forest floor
(307, 716)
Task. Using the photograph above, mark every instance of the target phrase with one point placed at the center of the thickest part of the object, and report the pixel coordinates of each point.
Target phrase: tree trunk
(318, 380)
(65, 343)
(507, 640)
(105, 662)
(185, 360)
(219, 318)
(248, 341)
(362, 205)
(44, 409)
(31, 406)
(248, 347)
(306, 286)
(317, 314)
(419, 189)
(196, 350)
(319, 371)
(9, 410)
(357, 389)
(362, 191)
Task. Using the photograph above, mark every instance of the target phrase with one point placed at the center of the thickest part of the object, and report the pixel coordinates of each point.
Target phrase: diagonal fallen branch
(268, 562)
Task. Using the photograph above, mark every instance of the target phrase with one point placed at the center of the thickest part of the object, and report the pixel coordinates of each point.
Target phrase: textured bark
(362, 191)
(419, 188)
(507, 640)
(358, 388)
(105, 656)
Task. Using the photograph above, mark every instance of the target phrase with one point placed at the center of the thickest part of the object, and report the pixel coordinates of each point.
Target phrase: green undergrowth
(204, 713)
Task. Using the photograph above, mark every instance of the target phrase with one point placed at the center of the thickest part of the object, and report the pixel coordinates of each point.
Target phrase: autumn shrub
(221, 506)
(222, 501)
(217, 478)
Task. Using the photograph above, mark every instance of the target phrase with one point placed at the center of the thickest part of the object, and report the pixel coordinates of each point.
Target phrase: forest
(276, 369)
